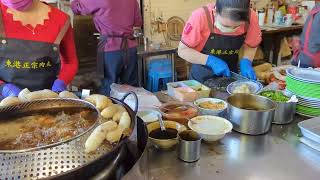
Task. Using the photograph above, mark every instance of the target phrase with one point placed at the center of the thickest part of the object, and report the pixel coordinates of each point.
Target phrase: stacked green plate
(313, 112)
(305, 84)
(302, 88)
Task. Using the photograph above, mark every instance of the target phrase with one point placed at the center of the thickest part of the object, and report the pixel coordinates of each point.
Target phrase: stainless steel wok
(63, 160)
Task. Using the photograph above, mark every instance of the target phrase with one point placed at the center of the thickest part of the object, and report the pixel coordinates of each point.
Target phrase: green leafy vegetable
(275, 96)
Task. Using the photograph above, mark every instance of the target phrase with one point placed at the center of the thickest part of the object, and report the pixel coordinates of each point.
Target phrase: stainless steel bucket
(285, 111)
(250, 114)
(189, 146)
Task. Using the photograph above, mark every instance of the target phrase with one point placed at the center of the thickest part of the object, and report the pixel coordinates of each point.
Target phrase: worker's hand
(137, 32)
(10, 90)
(218, 66)
(247, 69)
(58, 86)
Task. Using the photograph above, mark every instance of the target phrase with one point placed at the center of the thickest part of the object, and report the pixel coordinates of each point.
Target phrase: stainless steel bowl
(250, 114)
(285, 111)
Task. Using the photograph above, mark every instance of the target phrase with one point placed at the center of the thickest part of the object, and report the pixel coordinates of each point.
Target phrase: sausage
(23, 95)
(99, 135)
(42, 94)
(125, 120)
(263, 67)
(10, 101)
(115, 135)
(100, 101)
(110, 111)
(67, 94)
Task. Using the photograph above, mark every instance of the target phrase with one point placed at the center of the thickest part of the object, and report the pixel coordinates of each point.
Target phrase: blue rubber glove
(10, 90)
(218, 66)
(247, 69)
(58, 86)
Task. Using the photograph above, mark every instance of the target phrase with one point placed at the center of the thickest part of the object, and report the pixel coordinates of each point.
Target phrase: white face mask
(223, 28)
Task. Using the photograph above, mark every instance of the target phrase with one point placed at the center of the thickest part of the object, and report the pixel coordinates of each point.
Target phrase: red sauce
(180, 113)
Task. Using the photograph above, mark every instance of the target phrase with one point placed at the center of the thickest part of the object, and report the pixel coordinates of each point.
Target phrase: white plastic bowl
(210, 112)
(210, 128)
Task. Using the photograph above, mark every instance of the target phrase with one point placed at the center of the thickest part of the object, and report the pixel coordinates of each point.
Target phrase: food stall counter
(276, 155)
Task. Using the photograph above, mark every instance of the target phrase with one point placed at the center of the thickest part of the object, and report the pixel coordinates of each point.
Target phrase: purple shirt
(111, 17)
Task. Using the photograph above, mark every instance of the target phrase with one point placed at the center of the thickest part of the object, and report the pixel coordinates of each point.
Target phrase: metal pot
(250, 114)
(285, 111)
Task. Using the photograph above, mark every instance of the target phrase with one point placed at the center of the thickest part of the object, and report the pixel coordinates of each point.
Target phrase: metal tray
(65, 160)
(238, 76)
(220, 83)
(311, 129)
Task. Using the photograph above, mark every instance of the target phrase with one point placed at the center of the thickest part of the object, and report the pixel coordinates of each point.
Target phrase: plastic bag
(145, 98)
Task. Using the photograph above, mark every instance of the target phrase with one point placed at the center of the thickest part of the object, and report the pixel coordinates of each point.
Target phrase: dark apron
(124, 47)
(29, 64)
(222, 46)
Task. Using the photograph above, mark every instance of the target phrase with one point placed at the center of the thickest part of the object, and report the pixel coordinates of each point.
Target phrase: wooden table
(144, 53)
(272, 36)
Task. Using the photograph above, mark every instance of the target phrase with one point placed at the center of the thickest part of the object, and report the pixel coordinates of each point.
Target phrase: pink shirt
(197, 32)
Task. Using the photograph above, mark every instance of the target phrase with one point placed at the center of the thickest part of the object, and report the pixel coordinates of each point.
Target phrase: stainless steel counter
(277, 155)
